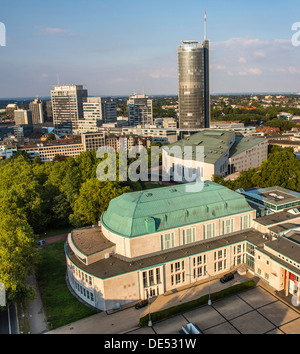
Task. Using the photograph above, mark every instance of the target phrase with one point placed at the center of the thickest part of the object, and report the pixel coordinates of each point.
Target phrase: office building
(193, 85)
(109, 110)
(67, 107)
(23, 116)
(48, 111)
(37, 109)
(139, 109)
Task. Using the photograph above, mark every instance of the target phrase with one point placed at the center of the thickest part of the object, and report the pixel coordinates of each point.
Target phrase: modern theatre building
(154, 241)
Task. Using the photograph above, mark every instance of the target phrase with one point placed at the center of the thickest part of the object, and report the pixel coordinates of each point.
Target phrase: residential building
(139, 110)
(193, 85)
(67, 107)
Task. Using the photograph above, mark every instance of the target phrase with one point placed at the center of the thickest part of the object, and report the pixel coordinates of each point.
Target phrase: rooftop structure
(272, 198)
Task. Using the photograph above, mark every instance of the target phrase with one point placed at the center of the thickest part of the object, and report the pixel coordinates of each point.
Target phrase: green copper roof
(160, 209)
(215, 143)
(218, 142)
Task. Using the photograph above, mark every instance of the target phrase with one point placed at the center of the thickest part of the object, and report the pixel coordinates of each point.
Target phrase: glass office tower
(193, 85)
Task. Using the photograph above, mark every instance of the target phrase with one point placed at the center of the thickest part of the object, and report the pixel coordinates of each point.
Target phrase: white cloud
(259, 53)
(242, 60)
(55, 31)
(293, 70)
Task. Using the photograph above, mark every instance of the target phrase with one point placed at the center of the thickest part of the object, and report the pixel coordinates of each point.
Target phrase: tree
(93, 200)
(51, 136)
(18, 254)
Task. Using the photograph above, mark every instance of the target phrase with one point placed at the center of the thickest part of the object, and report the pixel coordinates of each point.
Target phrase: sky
(120, 47)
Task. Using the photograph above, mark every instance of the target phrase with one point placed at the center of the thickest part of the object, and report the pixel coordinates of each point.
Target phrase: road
(8, 320)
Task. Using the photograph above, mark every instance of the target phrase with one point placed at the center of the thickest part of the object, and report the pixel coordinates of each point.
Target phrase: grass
(55, 232)
(175, 310)
(60, 306)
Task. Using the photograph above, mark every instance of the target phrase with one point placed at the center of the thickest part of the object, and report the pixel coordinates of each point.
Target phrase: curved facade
(193, 85)
(147, 243)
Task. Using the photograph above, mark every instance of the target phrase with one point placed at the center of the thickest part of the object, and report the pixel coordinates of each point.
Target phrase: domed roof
(154, 210)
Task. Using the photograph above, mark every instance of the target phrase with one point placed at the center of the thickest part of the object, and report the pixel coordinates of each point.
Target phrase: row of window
(83, 291)
(85, 277)
(209, 231)
(151, 277)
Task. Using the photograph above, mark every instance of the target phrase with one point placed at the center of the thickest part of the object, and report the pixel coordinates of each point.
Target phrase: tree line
(281, 169)
(36, 197)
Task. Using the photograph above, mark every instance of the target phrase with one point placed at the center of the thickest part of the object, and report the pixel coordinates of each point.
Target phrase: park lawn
(60, 306)
(55, 232)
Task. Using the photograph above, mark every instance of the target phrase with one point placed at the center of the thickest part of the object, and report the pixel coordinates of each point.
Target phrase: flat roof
(287, 248)
(276, 218)
(284, 227)
(90, 240)
(273, 195)
(117, 265)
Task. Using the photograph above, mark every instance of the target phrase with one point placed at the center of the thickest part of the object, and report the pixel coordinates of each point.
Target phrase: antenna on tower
(205, 25)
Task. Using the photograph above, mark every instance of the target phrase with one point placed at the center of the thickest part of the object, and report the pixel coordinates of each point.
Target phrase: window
(167, 241)
(145, 282)
(228, 226)
(245, 222)
(178, 269)
(209, 231)
(189, 236)
(199, 266)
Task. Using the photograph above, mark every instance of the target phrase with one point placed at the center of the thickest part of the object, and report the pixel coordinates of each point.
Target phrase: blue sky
(117, 47)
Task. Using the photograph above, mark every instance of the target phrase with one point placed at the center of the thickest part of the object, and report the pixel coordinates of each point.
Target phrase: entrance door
(292, 287)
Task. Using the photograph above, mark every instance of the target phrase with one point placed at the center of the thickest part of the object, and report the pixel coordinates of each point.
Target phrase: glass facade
(193, 85)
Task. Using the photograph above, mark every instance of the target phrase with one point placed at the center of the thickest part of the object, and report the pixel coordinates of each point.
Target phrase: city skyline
(119, 48)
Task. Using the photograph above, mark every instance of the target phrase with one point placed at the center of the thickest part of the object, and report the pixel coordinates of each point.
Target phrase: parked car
(226, 278)
(141, 304)
(41, 242)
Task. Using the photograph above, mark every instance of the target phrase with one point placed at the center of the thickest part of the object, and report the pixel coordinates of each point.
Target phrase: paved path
(128, 319)
(37, 318)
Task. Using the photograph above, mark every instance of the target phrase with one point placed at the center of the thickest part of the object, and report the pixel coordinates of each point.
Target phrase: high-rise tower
(67, 107)
(193, 84)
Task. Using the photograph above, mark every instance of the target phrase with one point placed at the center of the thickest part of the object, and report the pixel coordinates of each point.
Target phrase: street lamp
(209, 300)
(148, 298)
